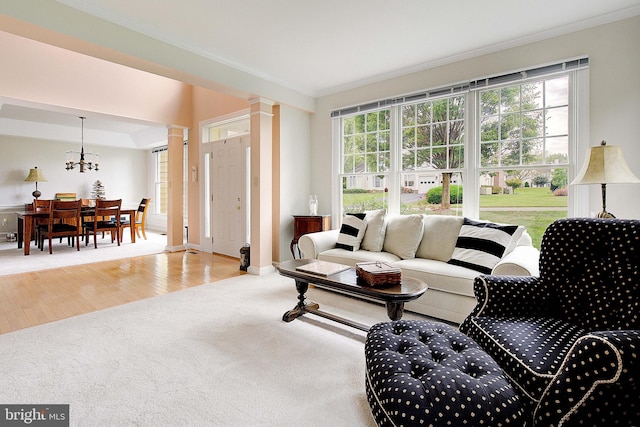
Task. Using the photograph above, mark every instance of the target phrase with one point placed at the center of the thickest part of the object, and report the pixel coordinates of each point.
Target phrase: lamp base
(36, 194)
(604, 214)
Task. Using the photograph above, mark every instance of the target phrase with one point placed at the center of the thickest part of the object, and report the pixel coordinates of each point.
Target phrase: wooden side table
(305, 224)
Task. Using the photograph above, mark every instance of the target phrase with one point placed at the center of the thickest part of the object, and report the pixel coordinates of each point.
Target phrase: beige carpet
(13, 260)
(214, 355)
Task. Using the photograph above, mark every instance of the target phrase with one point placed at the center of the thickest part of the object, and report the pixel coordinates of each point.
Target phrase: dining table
(26, 219)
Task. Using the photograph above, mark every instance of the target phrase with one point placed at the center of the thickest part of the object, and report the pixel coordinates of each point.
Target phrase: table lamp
(604, 165)
(35, 175)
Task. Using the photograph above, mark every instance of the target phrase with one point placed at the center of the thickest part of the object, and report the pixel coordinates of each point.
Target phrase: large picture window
(366, 149)
(524, 152)
(432, 154)
(161, 180)
(498, 149)
(525, 124)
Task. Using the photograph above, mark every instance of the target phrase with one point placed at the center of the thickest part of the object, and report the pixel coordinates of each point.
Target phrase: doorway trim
(207, 139)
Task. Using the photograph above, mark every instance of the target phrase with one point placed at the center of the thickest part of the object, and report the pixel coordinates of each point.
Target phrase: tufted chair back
(589, 267)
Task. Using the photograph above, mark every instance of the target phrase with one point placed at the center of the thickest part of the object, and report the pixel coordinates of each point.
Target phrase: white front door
(224, 216)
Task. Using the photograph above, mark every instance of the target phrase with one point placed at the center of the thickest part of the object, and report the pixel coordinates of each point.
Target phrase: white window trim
(578, 140)
(156, 154)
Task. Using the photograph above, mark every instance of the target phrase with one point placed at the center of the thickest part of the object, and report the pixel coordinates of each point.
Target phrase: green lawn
(534, 208)
(524, 197)
(359, 202)
(528, 199)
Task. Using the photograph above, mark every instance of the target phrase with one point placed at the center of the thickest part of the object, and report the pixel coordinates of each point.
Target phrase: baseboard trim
(261, 271)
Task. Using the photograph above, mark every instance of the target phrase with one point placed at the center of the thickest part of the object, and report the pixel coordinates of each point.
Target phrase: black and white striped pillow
(481, 245)
(351, 233)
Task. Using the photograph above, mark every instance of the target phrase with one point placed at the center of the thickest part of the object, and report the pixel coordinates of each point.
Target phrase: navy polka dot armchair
(569, 339)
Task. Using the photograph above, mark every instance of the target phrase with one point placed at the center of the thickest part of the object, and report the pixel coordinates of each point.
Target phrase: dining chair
(40, 205)
(64, 221)
(109, 209)
(139, 221)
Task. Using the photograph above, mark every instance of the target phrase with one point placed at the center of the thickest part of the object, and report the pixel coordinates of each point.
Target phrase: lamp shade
(35, 175)
(604, 164)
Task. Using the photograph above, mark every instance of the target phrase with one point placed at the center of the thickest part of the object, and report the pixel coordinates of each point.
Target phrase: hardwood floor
(34, 298)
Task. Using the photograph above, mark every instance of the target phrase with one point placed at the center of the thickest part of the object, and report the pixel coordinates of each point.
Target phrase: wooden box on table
(377, 274)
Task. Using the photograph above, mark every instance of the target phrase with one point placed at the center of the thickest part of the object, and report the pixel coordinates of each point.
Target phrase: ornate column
(175, 226)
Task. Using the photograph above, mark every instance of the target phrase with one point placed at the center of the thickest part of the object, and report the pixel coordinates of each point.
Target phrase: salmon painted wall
(46, 75)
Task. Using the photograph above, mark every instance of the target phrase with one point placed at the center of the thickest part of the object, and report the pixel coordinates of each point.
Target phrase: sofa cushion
(376, 228)
(439, 237)
(403, 235)
(351, 233)
(439, 275)
(480, 245)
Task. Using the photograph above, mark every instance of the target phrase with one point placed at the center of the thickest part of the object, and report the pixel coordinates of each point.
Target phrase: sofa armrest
(602, 363)
(507, 296)
(314, 243)
(521, 261)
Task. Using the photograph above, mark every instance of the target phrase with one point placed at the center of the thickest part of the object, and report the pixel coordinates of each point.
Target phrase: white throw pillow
(351, 233)
(403, 235)
(439, 237)
(376, 228)
(481, 245)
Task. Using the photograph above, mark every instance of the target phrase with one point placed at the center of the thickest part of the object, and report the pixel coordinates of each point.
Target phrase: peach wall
(48, 75)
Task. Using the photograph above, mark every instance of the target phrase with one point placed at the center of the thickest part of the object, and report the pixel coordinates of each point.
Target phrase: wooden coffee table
(394, 297)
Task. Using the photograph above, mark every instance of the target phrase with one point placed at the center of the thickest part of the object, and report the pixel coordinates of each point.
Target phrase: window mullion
(395, 160)
(336, 178)
(470, 174)
(579, 139)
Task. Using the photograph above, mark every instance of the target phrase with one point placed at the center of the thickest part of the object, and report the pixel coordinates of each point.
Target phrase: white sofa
(431, 248)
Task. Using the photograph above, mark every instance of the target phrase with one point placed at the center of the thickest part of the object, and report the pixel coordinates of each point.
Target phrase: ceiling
(321, 47)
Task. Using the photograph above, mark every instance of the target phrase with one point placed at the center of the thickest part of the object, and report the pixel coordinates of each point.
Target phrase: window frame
(578, 113)
(161, 186)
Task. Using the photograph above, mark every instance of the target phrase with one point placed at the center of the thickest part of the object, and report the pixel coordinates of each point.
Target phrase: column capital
(261, 100)
(174, 131)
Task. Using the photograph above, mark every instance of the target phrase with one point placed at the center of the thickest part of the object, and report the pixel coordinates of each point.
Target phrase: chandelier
(85, 160)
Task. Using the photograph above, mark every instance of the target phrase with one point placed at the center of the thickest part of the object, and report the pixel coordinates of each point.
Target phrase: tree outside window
(524, 152)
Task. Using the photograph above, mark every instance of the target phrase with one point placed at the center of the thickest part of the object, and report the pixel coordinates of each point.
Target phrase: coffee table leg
(395, 310)
(302, 307)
